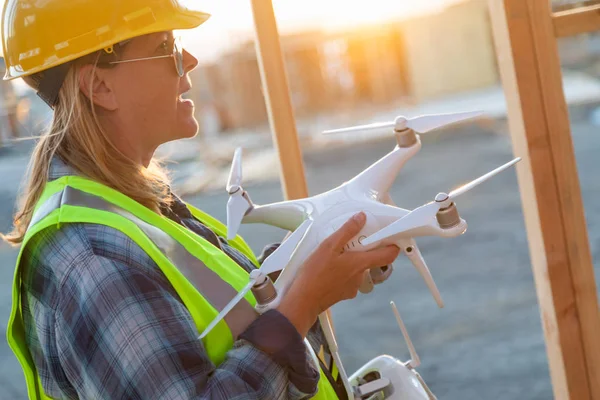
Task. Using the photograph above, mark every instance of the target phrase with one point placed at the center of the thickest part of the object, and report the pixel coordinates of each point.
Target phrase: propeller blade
(227, 308)
(465, 188)
(282, 255)
(422, 123)
(426, 123)
(422, 215)
(415, 219)
(275, 262)
(377, 125)
(417, 260)
(235, 174)
(237, 206)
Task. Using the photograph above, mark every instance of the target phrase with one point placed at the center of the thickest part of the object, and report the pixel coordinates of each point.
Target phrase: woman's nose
(189, 61)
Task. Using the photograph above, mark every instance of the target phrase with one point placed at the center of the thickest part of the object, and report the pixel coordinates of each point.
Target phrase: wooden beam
(278, 100)
(576, 21)
(550, 194)
(279, 104)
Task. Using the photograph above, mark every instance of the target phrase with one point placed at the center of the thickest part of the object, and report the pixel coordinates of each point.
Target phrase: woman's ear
(94, 84)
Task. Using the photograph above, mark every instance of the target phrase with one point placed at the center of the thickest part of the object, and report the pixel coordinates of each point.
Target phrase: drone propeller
(421, 124)
(275, 262)
(423, 215)
(235, 174)
(238, 203)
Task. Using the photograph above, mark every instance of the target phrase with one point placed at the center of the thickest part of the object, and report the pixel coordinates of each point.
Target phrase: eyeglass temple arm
(139, 59)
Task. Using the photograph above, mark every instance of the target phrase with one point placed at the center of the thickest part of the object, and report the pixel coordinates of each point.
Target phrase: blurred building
(230, 90)
(308, 80)
(240, 89)
(377, 63)
(450, 52)
(233, 84)
(9, 124)
(418, 59)
(410, 61)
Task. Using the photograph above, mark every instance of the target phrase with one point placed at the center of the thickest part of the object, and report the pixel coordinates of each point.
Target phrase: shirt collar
(58, 169)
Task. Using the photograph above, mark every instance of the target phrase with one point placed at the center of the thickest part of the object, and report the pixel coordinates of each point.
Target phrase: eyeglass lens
(178, 55)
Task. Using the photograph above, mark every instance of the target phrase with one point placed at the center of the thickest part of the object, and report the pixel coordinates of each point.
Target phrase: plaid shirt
(103, 322)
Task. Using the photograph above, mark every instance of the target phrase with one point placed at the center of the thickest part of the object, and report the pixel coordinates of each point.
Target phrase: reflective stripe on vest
(214, 289)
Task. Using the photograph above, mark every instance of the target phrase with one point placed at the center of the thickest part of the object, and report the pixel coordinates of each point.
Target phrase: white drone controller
(314, 219)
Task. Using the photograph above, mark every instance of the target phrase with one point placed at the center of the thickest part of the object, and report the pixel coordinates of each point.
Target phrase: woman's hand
(331, 275)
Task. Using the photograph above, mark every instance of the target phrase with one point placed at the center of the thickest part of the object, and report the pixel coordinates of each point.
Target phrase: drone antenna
(327, 325)
(414, 357)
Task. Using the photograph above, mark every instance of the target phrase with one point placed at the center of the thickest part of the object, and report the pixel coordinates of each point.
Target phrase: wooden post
(278, 100)
(550, 193)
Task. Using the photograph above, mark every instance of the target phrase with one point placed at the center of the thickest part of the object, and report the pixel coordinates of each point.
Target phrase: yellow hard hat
(40, 35)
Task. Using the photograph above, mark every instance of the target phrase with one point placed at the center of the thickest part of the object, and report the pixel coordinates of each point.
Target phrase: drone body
(367, 192)
(311, 220)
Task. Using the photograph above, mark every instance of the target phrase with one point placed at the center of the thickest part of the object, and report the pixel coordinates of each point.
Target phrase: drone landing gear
(372, 386)
(375, 276)
(387, 378)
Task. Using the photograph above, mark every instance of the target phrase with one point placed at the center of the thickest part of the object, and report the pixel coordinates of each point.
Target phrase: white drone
(313, 219)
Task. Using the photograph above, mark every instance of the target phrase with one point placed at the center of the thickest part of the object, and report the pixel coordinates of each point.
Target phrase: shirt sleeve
(123, 334)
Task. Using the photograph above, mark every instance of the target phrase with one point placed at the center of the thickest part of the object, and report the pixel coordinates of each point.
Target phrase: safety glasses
(177, 57)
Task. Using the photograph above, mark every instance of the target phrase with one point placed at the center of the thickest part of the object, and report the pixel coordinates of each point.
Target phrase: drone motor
(264, 292)
(448, 217)
(405, 138)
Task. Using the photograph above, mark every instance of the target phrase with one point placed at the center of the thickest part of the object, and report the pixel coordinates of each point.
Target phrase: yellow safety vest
(204, 277)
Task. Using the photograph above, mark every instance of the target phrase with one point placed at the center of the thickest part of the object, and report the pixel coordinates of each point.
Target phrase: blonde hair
(77, 137)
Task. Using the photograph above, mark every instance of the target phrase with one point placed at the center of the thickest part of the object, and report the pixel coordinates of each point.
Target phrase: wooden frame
(525, 32)
(579, 20)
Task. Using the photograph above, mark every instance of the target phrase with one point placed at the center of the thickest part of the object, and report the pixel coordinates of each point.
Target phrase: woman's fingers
(351, 228)
(362, 260)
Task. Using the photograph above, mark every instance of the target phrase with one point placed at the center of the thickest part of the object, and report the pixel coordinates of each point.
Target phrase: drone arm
(275, 262)
(287, 215)
(226, 310)
(386, 198)
(380, 176)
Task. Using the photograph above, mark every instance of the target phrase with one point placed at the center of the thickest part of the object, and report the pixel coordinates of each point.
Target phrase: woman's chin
(190, 130)
(187, 127)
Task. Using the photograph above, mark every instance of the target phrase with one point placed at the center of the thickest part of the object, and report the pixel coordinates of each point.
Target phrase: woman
(117, 276)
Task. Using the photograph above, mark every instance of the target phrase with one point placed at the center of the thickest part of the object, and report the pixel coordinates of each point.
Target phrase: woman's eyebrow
(155, 43)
